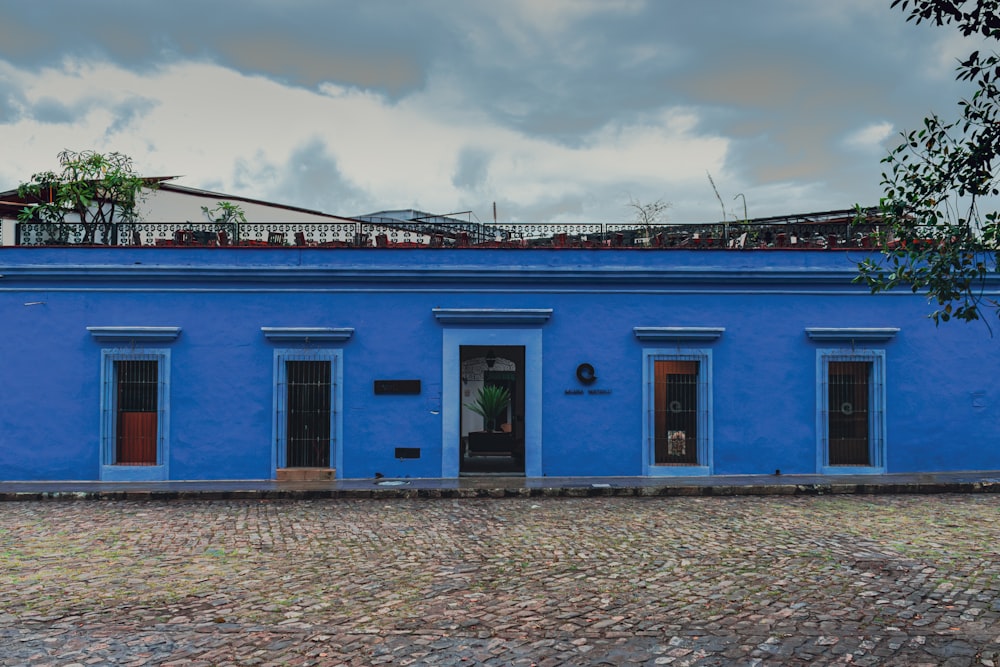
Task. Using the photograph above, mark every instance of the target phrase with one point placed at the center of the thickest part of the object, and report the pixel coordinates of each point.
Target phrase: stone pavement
(742, 580)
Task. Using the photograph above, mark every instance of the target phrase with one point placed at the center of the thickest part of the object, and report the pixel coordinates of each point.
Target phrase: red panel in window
(137, 438)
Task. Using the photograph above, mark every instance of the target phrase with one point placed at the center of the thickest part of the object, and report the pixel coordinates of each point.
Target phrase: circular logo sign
(585, 374)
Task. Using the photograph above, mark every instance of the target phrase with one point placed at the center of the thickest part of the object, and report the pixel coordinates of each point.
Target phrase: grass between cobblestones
(750, 569)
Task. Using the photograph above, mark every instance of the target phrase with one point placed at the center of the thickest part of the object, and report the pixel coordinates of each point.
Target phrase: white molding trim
(109, 470)
(706, 419)
(308, 334)
(654, 334)
(879, 334)
(876, 411)
(453, 339)
(523, 316)
(279, 430)
(143, 334)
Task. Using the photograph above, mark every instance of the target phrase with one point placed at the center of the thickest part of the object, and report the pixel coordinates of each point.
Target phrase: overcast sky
(557, 110)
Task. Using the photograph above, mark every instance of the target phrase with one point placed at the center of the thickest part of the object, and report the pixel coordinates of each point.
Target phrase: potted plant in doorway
(491, 403)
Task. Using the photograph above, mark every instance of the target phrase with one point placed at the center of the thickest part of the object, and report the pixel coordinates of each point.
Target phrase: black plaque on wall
(397, 386)
(407, 452)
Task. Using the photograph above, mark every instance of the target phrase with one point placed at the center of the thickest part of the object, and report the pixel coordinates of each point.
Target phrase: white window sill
(677, 471)
(851, 470)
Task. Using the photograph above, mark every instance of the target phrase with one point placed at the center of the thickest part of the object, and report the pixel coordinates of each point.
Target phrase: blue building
(222, 363)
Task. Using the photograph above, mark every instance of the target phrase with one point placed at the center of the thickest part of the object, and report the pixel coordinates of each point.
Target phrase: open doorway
(492, 427)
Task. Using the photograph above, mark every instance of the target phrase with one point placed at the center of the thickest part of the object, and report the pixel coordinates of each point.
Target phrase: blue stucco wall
(941, 394)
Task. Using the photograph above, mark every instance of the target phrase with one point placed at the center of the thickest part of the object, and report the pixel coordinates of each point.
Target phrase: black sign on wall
(585, 373)
(397, 387)
(407, 452)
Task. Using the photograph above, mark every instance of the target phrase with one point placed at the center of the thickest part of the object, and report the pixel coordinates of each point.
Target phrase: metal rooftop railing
(833, 229)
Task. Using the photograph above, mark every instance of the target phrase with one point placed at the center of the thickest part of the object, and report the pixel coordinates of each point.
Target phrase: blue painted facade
(764, 326)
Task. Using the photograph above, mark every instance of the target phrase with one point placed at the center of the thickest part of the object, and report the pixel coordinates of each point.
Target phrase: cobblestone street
(865, 580)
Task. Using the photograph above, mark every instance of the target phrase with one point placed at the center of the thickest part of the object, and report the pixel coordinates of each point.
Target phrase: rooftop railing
(390, 233)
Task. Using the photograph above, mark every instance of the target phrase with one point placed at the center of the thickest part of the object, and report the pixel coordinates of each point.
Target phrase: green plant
(937, 177)
(227, 216)
(225, 213)
(490, 404)
(99, 190)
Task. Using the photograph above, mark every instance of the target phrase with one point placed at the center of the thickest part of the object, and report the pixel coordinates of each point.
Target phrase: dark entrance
(492, 445)
(308, 420)
(848, 412)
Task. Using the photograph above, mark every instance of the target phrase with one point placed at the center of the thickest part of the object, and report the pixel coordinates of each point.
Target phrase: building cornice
(678, 334)
(134, 334)
(846, 334)
(532, 316)
(307, 334)
(528, 270)
(508, 275)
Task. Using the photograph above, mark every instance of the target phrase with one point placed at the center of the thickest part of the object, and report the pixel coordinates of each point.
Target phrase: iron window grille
(134, 402)
(678, 400)
(306, 408)
(851, 409)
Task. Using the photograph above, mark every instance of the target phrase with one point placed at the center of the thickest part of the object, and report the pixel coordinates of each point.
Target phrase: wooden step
(306, 474)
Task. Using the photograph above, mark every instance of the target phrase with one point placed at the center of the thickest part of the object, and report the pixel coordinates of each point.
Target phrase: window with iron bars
(678, 402)
(134, 399)
(306, 414)
(850, 410)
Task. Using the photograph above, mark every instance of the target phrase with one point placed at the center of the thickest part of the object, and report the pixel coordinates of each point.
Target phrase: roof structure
(11, 203)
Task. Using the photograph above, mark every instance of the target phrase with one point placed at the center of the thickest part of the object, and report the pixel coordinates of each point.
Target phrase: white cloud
(554, 17)
(870, 137)
(551, 12)
(216, 127)
(556, 108)
(949, 48)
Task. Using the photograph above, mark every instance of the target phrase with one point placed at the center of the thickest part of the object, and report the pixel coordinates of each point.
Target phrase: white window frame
(280, 426)
(876, 403)
(491, 327)
(110, 471)
(704, 445)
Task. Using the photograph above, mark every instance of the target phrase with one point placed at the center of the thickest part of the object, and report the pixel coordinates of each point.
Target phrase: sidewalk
(502, 486)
